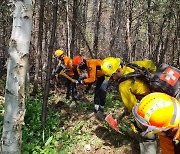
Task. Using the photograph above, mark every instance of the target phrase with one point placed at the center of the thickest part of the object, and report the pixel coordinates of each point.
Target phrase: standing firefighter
(93, 68)
(65, 64)
(159, 113)
(132, 90)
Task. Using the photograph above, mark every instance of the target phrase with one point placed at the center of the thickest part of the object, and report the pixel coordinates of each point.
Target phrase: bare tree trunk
(97, 28)
(84, 39)
(112, 41)
(68, 29)
(128, 39)
(49, 62)
(17, 71)
(4, 40)
(155, 54)
(4, 49)
(73, 40)
(83, 21)
(115, 26)
(84, 15)
(178, 35)
(149, 28)
(39, 48)
(165, 46)
(128, 32)
(136, 38)
(163, 51)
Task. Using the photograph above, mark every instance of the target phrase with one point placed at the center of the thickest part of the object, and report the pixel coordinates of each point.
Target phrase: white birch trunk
(17, 70)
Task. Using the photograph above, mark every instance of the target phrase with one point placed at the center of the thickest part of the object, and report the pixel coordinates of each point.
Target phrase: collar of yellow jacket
(107, 77)
(126, 70)
(177, 135)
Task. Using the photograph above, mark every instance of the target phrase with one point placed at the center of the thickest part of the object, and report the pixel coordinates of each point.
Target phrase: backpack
(139, 72)
(165, 79)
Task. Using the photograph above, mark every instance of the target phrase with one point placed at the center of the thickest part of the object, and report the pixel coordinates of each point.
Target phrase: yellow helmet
(110, 65)
(58, 52)
(158, 112)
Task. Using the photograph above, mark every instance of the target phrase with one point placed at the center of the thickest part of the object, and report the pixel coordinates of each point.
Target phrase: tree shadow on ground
(116, 140)
(84, 111)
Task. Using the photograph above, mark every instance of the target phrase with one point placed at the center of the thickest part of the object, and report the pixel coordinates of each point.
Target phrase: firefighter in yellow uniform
(131, 90)
(65, 64)
(159, 113)
(93, 68)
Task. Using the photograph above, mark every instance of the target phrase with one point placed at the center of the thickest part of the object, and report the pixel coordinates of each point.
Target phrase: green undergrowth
(67, 127)
(63, 128)
(58, 138)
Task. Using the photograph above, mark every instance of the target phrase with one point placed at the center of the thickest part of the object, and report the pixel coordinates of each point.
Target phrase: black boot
(100, 114)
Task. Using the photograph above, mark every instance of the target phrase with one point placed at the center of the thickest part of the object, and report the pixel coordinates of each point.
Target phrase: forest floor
(97, 136)
(77, 131)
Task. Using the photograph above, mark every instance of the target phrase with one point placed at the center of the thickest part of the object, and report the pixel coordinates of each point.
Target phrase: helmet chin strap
(175, 112)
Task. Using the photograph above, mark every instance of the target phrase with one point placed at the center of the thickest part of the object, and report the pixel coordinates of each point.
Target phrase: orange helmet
(77, 60)
(157, 112)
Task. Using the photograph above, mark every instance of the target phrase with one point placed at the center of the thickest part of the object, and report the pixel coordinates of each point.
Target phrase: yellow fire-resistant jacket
(131, 90)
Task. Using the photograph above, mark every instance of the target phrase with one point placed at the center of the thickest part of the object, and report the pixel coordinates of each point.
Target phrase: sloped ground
(94, 136)
(74, 128)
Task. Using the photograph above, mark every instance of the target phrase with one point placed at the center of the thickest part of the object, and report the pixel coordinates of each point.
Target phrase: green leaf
(49, 141)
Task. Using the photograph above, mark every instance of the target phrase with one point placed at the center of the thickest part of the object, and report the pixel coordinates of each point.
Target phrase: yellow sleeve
(177, 135)
(148, 64)
(128, 98)
(131, 92)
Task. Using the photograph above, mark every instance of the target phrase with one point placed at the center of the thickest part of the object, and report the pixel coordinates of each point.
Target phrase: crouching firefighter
(65, 66)
(95, 74)
(159, 113)
(132, 90)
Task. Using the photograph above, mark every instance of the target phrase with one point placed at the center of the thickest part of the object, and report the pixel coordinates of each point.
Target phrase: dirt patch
(106, 141)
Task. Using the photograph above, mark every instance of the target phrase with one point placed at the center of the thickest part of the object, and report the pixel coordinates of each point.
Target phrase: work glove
(57, 77)
(76, 82)
(79, 82)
